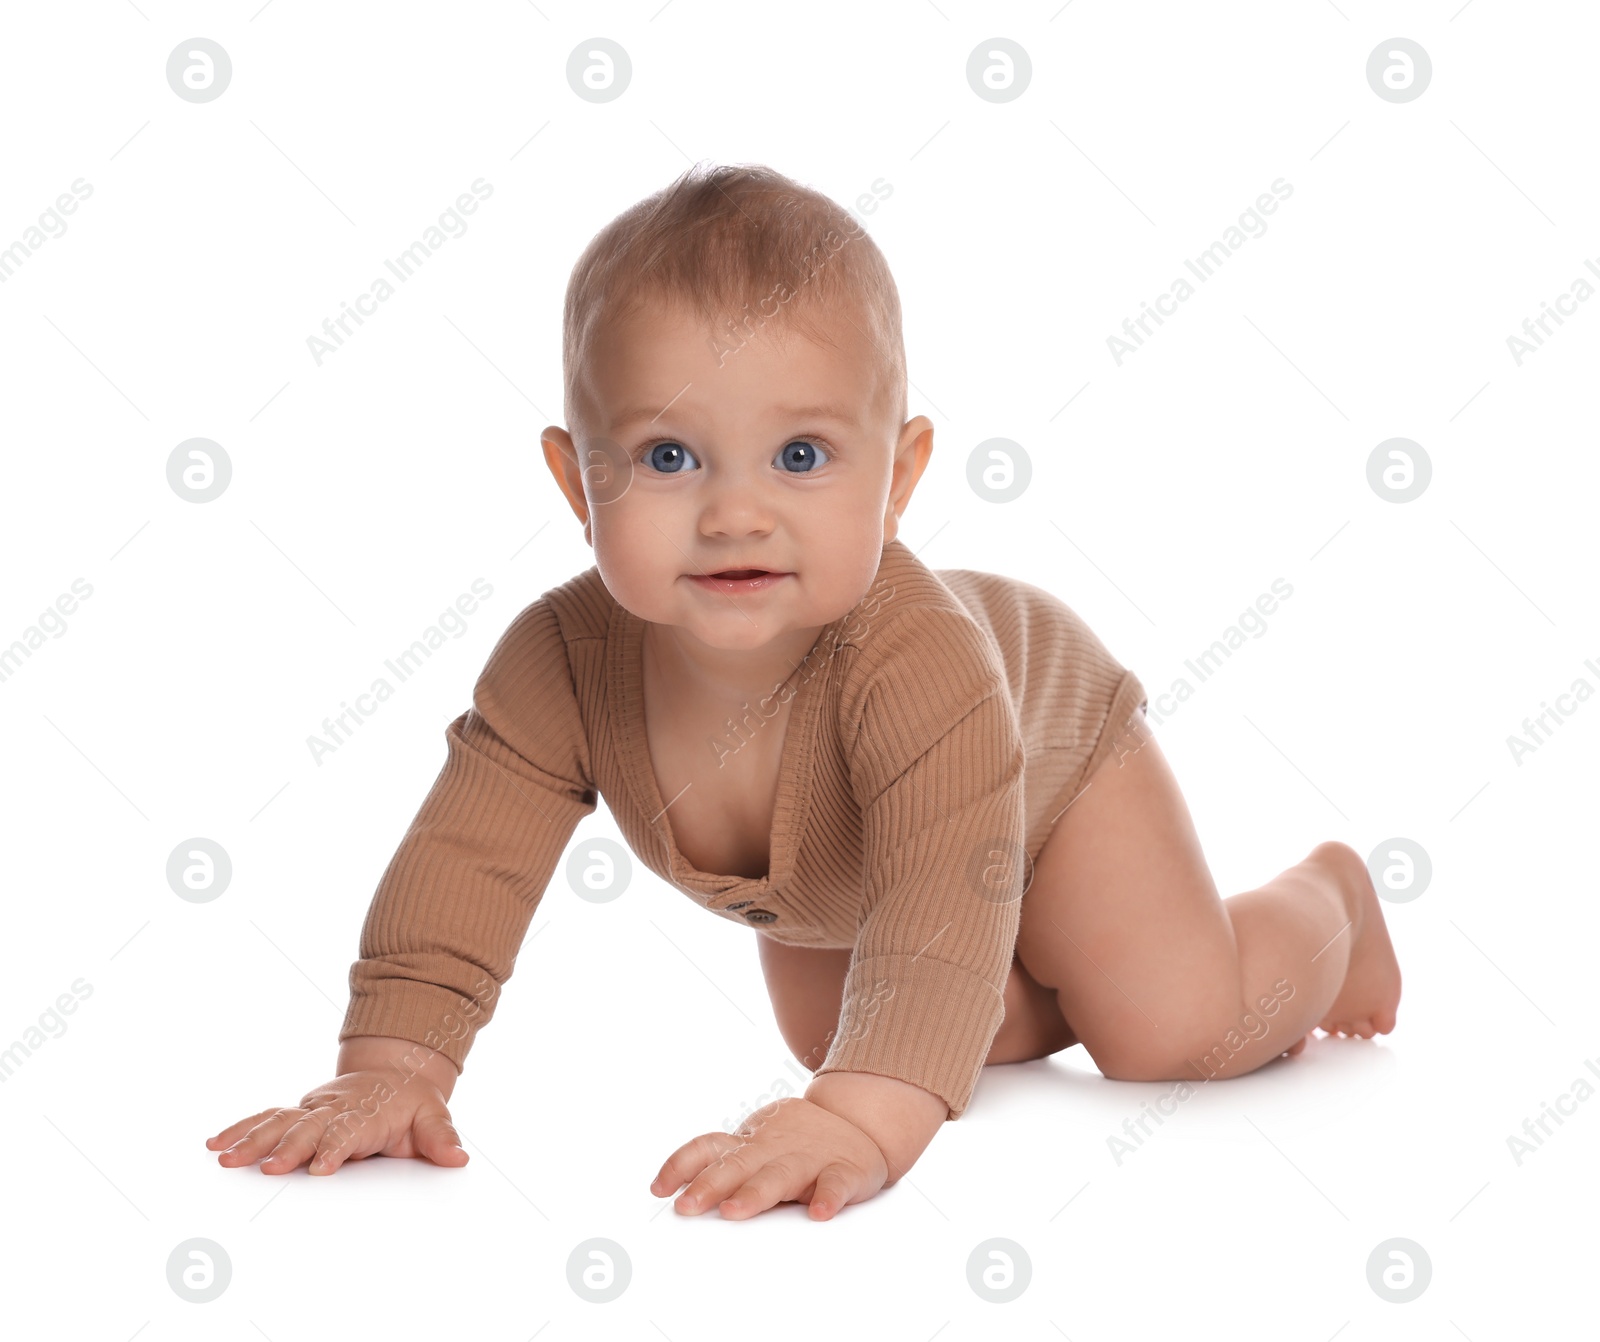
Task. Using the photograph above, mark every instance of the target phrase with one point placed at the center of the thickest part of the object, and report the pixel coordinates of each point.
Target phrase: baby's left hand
(788, 1151)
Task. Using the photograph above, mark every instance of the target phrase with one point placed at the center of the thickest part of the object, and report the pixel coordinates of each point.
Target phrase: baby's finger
(691, 1159)
(341, 1139)
(298, 1144)
(436, 1138)
(781, 1179)
(722, 1176)
(234, 1131)
(836, 1185)
(262, 1136)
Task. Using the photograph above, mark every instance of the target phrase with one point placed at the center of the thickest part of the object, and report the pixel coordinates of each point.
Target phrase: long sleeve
(936, 765)
(453, 906)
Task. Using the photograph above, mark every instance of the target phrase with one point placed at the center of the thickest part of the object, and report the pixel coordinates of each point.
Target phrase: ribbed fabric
(936, 733)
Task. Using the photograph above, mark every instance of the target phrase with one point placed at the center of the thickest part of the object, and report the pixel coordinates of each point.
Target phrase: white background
(369, 492)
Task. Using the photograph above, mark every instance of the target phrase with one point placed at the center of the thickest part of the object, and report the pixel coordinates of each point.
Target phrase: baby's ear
(910, 460)
(562, 458)
(560, 452)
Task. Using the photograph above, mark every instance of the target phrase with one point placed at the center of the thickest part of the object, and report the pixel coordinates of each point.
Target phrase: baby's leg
(806, 985)
(1163, 979)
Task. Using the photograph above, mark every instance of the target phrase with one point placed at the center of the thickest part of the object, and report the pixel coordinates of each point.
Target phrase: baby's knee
(1144, 1053)
(1143, 1065)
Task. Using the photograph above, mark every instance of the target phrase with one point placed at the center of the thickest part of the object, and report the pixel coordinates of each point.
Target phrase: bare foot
(1370, 995)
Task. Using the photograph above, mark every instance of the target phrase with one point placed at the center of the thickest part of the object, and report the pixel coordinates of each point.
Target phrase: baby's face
(787, 457)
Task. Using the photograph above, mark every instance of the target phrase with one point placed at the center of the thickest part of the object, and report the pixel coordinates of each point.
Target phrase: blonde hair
(744, 248)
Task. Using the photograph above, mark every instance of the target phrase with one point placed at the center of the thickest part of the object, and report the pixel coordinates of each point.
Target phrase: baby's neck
(693, 669)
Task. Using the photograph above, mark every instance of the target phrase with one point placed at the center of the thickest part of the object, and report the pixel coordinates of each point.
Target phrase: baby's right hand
(372, 1110)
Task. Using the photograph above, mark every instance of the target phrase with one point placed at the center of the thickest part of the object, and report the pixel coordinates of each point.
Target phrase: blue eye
(669, 457)
(804, 459)
(661, 458)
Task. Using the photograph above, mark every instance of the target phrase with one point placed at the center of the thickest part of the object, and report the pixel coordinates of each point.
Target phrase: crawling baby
(931, 795)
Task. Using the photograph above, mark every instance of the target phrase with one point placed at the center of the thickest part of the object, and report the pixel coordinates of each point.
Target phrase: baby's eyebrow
(815, 412)
(831, 412)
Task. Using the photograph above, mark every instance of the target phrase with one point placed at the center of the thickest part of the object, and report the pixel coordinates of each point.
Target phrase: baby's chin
(781, 627)
(733, 623)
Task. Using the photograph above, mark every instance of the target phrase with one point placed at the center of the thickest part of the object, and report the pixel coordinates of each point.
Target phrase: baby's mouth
(741, 581)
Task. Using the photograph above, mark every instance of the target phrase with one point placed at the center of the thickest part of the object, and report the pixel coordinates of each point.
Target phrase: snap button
(761, 916)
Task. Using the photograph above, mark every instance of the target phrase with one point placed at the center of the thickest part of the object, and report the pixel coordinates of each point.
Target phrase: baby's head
(735, 394)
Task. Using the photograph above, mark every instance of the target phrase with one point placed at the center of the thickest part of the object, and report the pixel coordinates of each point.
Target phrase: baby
(931, 794)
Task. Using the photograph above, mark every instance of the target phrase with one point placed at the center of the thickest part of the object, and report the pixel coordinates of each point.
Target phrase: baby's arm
(449, 915)
(937, 769)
